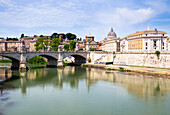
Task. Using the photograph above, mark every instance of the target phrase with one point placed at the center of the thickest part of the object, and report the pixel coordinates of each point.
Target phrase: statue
(77, 47)
(60, 48)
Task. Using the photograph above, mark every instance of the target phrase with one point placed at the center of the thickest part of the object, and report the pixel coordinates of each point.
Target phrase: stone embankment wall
(143, 59)
(101, 57)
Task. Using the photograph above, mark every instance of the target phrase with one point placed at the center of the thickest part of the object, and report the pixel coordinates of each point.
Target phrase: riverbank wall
(143, 59)
(164, 73)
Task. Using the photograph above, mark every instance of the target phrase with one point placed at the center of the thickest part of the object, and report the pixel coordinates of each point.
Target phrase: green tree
(37, 60)
(55, 43)
(22, 35)
(71, 36)
(46, 44)
(72, 45)
(66, 47)
(80, 49)
(54, 35)
(91, 49)
(41, 43)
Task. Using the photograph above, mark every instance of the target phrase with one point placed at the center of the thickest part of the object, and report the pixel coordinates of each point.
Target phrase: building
(111, 43)
(90, 43)
(148, 40)
(11, 45)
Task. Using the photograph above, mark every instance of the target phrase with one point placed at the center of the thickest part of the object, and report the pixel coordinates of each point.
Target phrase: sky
(82, 17)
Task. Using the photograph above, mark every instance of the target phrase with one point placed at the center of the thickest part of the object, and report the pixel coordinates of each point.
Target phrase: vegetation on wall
(66, 47)
(5, 61)
(91, 49)
(37, 60)
(157, 53)
(72, 45)
(80, 49)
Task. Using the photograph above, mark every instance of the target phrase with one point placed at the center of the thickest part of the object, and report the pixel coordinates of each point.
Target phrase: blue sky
(37, 17)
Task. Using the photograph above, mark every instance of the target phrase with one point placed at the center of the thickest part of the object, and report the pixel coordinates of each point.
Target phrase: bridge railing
(44, 51)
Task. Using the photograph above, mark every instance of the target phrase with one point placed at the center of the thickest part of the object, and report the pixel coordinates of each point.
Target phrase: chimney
(148, 27)
(156, 30)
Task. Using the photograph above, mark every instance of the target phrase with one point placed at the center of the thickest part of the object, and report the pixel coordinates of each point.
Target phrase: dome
(111, 34)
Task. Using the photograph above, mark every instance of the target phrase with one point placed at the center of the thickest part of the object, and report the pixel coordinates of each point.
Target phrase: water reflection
(86, 81)
(136, 84)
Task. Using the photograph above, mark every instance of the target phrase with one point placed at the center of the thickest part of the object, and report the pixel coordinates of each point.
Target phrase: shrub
(84, 65)
(109, 69)
(37, 60)
(5, 61)
(91, 49)
(80, 49)
(157, 53)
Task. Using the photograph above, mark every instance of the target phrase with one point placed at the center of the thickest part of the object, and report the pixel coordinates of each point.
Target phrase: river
(82, 91)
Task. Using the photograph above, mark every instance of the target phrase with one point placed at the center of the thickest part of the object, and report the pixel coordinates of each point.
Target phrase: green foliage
(71, 36)
(65, 64)
(55, 43)
(91, 49)
(37, 60)
(84, 65)
(72, 45)
(157, 53)
(80, 49)
(122, 69)
(5, 61)
(11, 39)
(41, 43)
(54, 35)
(109, 69)
(66, 47)
(22, 35)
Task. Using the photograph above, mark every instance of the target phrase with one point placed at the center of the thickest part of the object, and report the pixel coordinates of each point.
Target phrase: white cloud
(125, 16)
(80, 17)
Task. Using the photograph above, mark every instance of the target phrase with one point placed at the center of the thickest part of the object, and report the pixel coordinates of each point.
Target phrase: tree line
(43, 43)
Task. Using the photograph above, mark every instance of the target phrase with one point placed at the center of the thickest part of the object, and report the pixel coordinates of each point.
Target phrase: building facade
(111, 43)
(148, 40)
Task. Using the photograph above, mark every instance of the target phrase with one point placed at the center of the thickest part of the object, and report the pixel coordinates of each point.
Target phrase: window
(146, 34)
(163, 34)
(146, 43)
(154, 43)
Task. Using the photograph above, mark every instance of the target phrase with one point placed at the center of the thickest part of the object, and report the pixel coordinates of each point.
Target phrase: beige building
(10, 45)
(148, 40)
(111, 43)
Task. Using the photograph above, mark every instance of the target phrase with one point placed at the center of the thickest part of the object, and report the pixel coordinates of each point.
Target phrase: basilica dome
(111, 34)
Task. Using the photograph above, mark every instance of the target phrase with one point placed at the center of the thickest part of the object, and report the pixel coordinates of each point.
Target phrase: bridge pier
(23, 63)
(60, 60)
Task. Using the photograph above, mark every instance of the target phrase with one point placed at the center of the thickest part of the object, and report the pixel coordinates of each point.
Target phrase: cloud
(80, 17)
(40, 15)
(125, 16)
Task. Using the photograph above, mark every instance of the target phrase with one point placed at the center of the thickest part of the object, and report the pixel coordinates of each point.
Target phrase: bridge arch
(15, 61)
(79, 58)
(52, 60)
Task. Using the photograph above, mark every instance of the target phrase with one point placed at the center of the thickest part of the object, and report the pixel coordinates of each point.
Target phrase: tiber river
(82, 91)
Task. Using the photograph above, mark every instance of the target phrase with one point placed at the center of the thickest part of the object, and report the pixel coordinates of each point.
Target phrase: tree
(72, 45)
(55, 43)
(66, 47)
(22, 35)
(54, 35)
(91, 49)
(11, 39)
(46, 44)
(71, 36)
(80, 49)
(41, 44)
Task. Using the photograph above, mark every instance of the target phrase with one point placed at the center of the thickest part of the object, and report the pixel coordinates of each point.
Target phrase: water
(83, 91)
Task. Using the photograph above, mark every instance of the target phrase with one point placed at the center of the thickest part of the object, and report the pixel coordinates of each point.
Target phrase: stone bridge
(54, 59)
